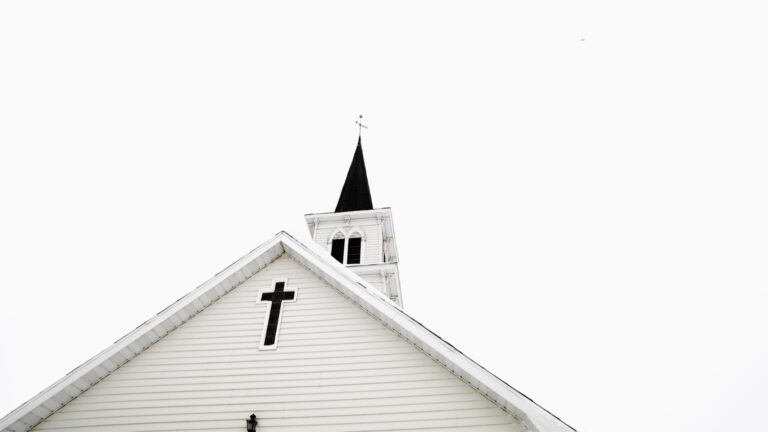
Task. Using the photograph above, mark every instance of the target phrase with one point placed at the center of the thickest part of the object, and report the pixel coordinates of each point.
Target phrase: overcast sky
(578, 188)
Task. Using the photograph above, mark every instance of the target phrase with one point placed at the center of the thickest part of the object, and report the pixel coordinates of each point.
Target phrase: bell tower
(358, 235)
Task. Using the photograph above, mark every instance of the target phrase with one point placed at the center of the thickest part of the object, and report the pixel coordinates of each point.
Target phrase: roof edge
(316, 259)
(342, 215)
(75, 380)
(433, 345)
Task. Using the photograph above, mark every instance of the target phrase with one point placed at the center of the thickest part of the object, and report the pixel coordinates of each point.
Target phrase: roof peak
(355, 195)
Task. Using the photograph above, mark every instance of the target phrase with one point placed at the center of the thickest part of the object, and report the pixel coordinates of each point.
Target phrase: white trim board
(319, 261)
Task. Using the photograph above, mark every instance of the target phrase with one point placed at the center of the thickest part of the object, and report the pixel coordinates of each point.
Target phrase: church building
(292, 337)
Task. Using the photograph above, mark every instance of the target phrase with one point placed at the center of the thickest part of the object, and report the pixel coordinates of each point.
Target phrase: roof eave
(38, 408)
(318, 260)
(444, 353)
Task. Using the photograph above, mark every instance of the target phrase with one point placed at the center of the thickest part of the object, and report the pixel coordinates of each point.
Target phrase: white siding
(368, 225)
(336, 369)
(375, 280)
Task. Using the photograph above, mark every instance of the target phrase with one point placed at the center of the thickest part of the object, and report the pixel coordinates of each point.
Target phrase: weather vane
(360, 126)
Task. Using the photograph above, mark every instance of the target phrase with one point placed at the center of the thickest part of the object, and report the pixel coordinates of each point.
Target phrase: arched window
(347, 248)
(337, 246)
(354, 248)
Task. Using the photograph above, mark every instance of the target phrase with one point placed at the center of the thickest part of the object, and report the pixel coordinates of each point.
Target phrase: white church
(292, 337)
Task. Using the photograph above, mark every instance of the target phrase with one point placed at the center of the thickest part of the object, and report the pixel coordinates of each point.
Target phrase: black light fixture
(250, 425)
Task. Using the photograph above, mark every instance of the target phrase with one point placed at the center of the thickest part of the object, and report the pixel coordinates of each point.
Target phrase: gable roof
(317, 260)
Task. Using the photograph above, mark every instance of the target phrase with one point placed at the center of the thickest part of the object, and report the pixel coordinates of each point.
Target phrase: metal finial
(360, 126)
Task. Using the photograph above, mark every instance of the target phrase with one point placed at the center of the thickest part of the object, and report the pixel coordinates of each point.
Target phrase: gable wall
(335, 369)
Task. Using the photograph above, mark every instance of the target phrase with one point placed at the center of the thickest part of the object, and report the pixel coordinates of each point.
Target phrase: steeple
(358, 235)
(355, 195)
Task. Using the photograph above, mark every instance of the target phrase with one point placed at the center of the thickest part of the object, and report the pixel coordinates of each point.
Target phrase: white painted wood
(349, 285)
(378, 244)
(336, 369)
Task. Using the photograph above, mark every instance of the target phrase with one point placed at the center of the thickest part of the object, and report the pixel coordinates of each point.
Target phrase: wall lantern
(250, 425)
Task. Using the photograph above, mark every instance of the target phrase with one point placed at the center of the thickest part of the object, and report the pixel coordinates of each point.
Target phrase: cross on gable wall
(279, 294)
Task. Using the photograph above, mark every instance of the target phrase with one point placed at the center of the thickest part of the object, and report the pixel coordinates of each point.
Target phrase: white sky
(579, 188)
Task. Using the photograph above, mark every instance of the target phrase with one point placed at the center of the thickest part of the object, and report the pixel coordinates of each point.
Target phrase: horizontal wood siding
(370, 226)
(375, 280)
(335, 369)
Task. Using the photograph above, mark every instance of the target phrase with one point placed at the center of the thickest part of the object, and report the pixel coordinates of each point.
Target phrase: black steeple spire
(355, 195)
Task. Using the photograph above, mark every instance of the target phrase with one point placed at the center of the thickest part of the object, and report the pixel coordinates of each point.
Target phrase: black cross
(277, 297)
